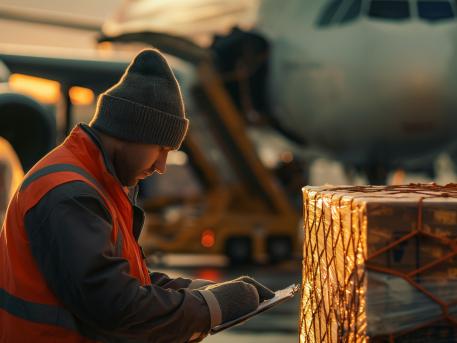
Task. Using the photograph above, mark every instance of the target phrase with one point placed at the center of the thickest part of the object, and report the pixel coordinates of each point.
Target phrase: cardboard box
(379, 263)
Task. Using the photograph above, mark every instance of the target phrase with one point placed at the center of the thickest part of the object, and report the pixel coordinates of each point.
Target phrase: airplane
(368, 83)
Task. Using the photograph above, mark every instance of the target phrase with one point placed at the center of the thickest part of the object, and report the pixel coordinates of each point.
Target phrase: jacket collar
(93, 134)
(96, 139)
(104, 168)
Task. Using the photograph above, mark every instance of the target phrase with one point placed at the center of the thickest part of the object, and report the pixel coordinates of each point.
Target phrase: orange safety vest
(29, 311)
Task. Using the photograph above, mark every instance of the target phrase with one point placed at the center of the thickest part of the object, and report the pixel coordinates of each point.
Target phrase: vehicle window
(352, 12)
(329, 12)
(434, 10)
(389, 9)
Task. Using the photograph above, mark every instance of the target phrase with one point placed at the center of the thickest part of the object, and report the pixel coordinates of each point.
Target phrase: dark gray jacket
(69, 232)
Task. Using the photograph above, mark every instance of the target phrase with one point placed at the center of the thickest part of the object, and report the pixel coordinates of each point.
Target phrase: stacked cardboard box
(379, 264)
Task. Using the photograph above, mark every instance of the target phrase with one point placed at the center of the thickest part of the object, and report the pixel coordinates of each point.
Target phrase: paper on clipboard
(280, 297)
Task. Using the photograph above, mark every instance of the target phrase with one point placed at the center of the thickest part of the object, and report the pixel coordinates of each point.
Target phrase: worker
(71, 267)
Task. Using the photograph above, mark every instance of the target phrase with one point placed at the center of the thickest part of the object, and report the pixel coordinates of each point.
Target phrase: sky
(13, 32)
(196, 19)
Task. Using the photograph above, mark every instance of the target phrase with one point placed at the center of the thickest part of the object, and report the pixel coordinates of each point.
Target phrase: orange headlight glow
(208, 238)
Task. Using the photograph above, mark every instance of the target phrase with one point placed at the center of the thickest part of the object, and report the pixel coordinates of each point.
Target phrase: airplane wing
(198, 20)
(71, 68)
(47, 17)
(177, 46)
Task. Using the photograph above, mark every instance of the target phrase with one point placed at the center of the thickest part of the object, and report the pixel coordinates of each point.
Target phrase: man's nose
(160, 168)
(161, 164)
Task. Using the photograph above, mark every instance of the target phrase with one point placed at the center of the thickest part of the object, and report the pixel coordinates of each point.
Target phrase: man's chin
(129, 183)
(134, 183)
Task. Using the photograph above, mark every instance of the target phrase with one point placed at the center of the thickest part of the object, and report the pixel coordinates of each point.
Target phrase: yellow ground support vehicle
(247, 218)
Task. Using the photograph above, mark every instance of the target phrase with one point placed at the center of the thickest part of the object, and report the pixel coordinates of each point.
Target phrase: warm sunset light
(44, 90)
(105, 49)
(81, 96)
(11, 168)
(105, 46)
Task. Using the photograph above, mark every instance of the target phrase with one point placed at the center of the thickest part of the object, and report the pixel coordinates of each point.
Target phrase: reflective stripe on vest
(38, 313)
(65, 167)
(55, 168)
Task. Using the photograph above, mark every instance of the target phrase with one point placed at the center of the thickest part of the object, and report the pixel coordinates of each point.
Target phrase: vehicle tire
(239, 250)
(279, 248)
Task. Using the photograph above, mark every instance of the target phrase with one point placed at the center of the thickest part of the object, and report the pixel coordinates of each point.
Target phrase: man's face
(136, 161)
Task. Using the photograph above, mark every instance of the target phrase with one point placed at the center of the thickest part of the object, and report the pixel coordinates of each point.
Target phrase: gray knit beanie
(145, 106)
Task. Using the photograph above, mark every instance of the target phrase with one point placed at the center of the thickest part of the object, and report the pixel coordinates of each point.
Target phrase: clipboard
(280, 297)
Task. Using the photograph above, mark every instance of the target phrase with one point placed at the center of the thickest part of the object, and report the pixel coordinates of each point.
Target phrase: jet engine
(27, 125)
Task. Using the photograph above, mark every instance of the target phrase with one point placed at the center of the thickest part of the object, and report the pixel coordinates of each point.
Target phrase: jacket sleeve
(69, 231)
(164, 281)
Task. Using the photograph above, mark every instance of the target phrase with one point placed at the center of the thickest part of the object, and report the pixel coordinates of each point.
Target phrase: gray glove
(200, 284)
(264, 292)
(235, 298)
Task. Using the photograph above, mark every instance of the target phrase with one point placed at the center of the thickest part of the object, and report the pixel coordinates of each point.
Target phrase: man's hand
(235, 298)
(264, 292)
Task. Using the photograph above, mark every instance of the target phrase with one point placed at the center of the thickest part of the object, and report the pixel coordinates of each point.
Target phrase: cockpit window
(340, 11)
(434, 10)
(343, 11)
(389, 9)
(329, 12)
(352, 12)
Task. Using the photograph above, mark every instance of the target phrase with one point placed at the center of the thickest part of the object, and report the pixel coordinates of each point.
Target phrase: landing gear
(376, 175)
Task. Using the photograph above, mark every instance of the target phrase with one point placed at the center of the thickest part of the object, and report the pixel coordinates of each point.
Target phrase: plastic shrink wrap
(379, 264)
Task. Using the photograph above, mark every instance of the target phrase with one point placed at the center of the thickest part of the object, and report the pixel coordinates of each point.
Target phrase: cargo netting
(379, 264)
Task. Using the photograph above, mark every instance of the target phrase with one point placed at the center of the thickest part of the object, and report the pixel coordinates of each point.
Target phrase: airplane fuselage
(368, 91)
